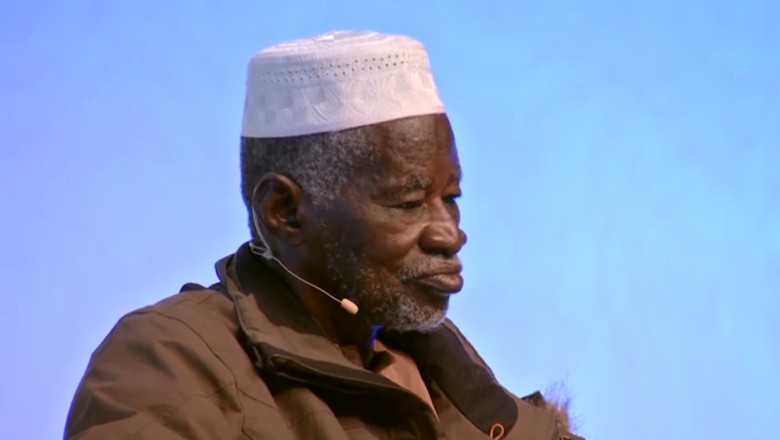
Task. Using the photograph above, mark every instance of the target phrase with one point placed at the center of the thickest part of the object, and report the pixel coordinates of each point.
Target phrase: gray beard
(383, 297)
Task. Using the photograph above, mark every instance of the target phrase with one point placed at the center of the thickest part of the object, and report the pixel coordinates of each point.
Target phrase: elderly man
(330, 322)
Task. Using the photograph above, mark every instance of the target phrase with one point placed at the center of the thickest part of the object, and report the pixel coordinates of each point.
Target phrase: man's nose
(443, 237)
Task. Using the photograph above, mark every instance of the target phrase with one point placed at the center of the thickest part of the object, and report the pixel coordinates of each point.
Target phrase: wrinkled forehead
(414, 139)
(414, 152)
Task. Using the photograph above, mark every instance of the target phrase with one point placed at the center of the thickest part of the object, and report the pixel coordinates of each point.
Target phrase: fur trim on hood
(558, 404)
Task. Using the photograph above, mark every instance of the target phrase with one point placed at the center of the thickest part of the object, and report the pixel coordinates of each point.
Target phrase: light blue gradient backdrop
(622, 190)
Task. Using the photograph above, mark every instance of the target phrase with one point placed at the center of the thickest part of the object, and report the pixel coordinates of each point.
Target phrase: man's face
(390, 239)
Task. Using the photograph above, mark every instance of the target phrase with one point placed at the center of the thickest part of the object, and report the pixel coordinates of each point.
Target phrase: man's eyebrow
(415, 183)
(409, 184)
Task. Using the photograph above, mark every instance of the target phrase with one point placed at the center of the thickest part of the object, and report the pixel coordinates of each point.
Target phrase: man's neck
(337, 324)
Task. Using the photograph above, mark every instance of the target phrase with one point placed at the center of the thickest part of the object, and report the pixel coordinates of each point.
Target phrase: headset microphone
(264, 251)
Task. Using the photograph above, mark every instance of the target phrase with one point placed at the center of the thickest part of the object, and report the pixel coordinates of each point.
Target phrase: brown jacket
(241, 360)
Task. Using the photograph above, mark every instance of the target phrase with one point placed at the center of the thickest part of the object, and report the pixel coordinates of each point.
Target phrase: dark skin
(398, 220)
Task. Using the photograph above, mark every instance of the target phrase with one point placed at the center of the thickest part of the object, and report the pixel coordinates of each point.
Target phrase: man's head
(367, 210)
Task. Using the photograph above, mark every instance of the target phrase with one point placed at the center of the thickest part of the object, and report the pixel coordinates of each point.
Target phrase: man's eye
(410, 205)
(452, 199)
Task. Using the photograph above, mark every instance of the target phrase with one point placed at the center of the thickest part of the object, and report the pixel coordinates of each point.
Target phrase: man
(330, 323)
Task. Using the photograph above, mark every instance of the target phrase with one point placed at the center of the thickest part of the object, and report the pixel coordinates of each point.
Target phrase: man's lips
(442, 282)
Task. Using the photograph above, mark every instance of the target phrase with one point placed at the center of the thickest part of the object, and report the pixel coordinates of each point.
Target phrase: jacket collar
(286, 341)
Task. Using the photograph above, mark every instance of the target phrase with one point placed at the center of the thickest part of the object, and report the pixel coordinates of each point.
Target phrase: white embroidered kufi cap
(336, 81)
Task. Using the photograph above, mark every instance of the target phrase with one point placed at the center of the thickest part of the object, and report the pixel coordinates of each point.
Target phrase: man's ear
(277, 203)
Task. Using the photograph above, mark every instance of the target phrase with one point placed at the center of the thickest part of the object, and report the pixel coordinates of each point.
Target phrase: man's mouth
(444, 283)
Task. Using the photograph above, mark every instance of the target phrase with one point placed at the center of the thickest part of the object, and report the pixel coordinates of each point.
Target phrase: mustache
(429, 266)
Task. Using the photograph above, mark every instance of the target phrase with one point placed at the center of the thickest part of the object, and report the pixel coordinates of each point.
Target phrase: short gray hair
(320, 163)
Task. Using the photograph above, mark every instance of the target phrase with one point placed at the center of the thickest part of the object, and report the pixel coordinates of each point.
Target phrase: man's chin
(427, 323)
(411, 311)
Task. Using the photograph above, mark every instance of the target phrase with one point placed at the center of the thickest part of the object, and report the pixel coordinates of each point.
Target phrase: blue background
(622, 190)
